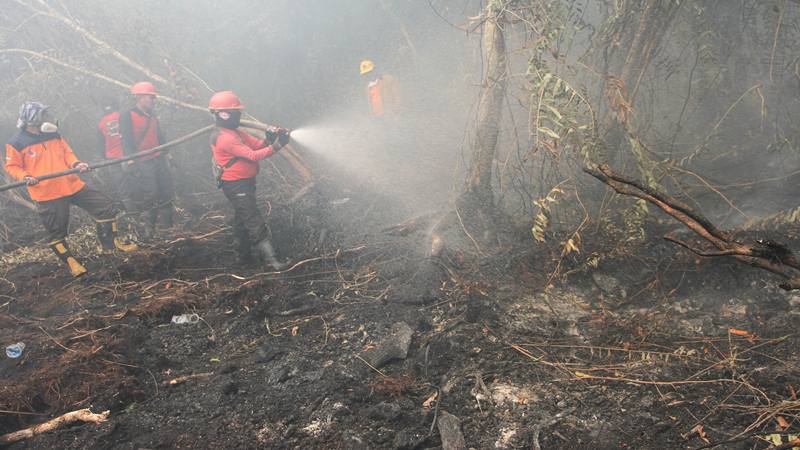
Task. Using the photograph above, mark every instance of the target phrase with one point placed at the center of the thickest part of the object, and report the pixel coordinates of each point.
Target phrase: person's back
(382, 91)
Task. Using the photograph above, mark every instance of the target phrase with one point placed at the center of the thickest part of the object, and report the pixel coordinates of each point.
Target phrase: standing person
(235, 156)
(110, 147)
(148, 180)
(36, 150)
(382, 90)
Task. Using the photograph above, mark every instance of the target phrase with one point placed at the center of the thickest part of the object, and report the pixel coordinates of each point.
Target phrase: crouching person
(236, 155)
(37, 150)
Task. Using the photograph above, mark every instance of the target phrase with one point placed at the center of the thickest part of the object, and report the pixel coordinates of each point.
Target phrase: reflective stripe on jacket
(36, 155)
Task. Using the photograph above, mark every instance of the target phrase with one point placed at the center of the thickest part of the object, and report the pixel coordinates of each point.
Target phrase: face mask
(229, 119)
(48, 127)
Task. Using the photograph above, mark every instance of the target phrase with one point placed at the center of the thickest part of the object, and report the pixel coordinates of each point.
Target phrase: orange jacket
(110, 136)
(228, 144)
(41, 154)
(383, 96)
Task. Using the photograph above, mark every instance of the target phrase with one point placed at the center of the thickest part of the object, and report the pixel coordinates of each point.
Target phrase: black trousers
(149, 189)
(55, 213)
(113, 183)
(248, 223)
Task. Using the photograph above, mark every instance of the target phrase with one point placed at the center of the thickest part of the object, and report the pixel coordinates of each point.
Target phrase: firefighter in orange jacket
(148, 181)
(36, 150)
(235, 155)
(382, 90)
(110, 147)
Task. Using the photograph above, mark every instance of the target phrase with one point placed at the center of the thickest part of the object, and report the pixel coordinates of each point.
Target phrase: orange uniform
(383, 96)
(35, 155)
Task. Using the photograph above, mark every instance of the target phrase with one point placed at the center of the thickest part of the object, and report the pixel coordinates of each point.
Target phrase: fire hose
(293, 159)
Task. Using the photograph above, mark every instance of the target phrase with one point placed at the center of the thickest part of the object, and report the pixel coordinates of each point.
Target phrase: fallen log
(81, 415)
(768, 255)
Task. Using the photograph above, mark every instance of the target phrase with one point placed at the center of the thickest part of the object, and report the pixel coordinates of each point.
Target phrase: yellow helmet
(367, 66)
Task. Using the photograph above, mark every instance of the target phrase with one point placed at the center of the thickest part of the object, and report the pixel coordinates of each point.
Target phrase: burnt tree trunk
(477, 197)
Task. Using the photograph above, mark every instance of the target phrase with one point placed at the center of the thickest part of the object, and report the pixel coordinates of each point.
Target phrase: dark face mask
(228, 119)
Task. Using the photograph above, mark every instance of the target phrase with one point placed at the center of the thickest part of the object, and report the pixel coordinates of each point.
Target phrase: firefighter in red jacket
(235, 155)
(110, 146)
(148, 181)
(36, 150)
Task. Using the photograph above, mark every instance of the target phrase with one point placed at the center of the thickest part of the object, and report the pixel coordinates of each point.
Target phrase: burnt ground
(648, 350)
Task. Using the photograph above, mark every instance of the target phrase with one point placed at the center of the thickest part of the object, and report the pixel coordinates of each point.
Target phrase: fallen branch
(185, 378)
(771, 256)
(82, 415)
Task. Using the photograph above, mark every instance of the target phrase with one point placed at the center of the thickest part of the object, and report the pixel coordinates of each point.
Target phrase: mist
(400, 223)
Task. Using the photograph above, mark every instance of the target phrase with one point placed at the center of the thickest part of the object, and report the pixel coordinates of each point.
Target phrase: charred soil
(650, 350)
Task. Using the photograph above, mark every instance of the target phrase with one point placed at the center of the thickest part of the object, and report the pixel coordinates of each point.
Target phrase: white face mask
(48, 127)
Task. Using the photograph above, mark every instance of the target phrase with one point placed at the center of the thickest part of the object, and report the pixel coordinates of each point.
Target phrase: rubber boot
(245, 253)
(267, 253)
(103, 228)
(61, 250)
(108, 235)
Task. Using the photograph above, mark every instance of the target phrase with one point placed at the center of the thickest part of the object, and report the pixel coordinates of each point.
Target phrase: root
(82, 415)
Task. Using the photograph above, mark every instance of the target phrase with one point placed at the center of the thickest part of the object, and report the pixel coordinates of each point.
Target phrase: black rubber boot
(108, 235)
(61, 250)
(104, 235)
(245, 253)
(268, 256)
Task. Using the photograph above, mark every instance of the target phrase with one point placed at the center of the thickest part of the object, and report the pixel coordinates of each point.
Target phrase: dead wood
(185, 378)
(768, 255)
(81, 415)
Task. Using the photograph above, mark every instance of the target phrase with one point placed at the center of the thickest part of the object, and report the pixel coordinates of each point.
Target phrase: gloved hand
(283, 137)
(30, 181)
(270, 136)
(82, 166)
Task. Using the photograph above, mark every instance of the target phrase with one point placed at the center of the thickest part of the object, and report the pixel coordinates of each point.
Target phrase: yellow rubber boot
(62, 251)
(120, 243)
(107, 234)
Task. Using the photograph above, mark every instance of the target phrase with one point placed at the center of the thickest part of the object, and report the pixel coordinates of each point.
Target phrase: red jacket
(41, 154)
(111, 138)
(139, 132)
(228, 144)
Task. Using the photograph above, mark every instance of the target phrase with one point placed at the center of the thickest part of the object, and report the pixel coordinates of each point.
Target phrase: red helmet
(143, 88)
(225, 100)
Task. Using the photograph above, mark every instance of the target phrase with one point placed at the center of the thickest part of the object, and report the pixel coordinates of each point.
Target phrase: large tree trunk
(477, 193)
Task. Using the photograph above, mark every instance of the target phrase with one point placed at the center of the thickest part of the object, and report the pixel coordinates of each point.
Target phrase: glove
(30, 181)
(283, 137)
(82, 166)
(270, 136)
